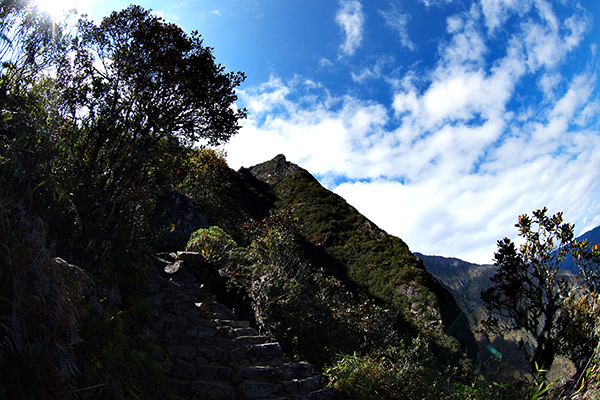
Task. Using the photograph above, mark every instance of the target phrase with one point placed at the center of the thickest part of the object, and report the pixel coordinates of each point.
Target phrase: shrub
(403, 372)
(213, 243)
(578, 328)
(311, 313)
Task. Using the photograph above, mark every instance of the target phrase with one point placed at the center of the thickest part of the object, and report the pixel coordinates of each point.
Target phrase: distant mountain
(464, 280)
(593, 237)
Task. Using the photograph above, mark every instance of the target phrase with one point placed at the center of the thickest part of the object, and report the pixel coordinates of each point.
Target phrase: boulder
(173, 221)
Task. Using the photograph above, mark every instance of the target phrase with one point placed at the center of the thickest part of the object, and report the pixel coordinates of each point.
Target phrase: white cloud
(397, 21)
(467, 44)
(461, 151)
(429, 3)
(373, 72)
(216, 12)
(496, 12)
(322, 132)
(350, 18)
(325, 63)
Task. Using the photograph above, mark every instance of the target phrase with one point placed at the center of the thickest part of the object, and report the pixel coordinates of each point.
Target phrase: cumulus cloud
(457, 155)
(350, 18)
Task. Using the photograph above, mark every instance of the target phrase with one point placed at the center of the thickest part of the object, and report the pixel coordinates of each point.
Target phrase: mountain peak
(274, 170)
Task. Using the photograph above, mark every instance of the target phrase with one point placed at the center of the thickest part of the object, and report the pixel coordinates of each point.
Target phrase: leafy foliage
(528, 292)
(304, 308)
(134, 89)
(577, 329)
(368, 258)
(213, 243)
(203, 175)
(140, 78)
(396, 373)
(84, 122)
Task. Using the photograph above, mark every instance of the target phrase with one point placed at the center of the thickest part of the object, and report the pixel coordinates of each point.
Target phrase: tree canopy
(100, 110)
(529, 293)
(136, 75)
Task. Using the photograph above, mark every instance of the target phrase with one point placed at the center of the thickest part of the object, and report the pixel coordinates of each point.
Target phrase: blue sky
(440, 120)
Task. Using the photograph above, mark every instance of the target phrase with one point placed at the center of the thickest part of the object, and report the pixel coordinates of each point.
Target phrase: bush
(308, 311)
(410, 371)
(403, 372)
(578, 329)
(213, 243)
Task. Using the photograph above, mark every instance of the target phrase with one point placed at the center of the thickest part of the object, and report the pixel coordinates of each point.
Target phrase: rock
(275, 170)
(256, 390)
(323, 394)
(173, 268)
(297, 370)
(213, 391)
(184, 352)
(265, 350)
(174, 220)
(257, 373)
(214, 372)
(310, 384)
(211, 353)
(113, 297)
(192, 259)
(185, 369)
(183, 279)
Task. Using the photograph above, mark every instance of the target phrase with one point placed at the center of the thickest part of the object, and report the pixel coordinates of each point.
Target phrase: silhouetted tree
(528, 292)
(132, 89)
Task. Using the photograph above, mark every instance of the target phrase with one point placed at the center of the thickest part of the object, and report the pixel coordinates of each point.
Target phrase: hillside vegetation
(97, 128)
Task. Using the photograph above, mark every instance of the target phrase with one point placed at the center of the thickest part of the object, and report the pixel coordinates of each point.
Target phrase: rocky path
(212, 354)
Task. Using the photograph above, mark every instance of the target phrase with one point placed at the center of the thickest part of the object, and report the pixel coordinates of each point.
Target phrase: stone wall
(211, 354)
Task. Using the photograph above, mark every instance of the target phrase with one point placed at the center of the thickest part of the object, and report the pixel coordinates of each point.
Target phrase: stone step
(211, 353)
(323, 394)
(212, 390)
(212, 373)
(218, 316)
(303, 386)
(267, 354)
(297, 370)
(201, 330)
(286, 372)
(232, 333)
(222, 343)
(214, 307)
(249, 340)
(233, 323)
(258, 373)
(257, 390)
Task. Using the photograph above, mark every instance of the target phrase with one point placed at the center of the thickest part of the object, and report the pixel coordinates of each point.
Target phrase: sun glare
(57, 8)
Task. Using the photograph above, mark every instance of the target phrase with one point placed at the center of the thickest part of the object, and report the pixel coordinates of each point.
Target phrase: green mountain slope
(352, 248)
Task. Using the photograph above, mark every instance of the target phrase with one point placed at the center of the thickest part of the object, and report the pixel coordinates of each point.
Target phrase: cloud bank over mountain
(503, 121)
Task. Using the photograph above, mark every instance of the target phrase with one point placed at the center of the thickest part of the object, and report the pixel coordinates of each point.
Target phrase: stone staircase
(211, 354)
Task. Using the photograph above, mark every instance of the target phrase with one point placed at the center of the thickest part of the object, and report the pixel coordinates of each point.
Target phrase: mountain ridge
(354, 249)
